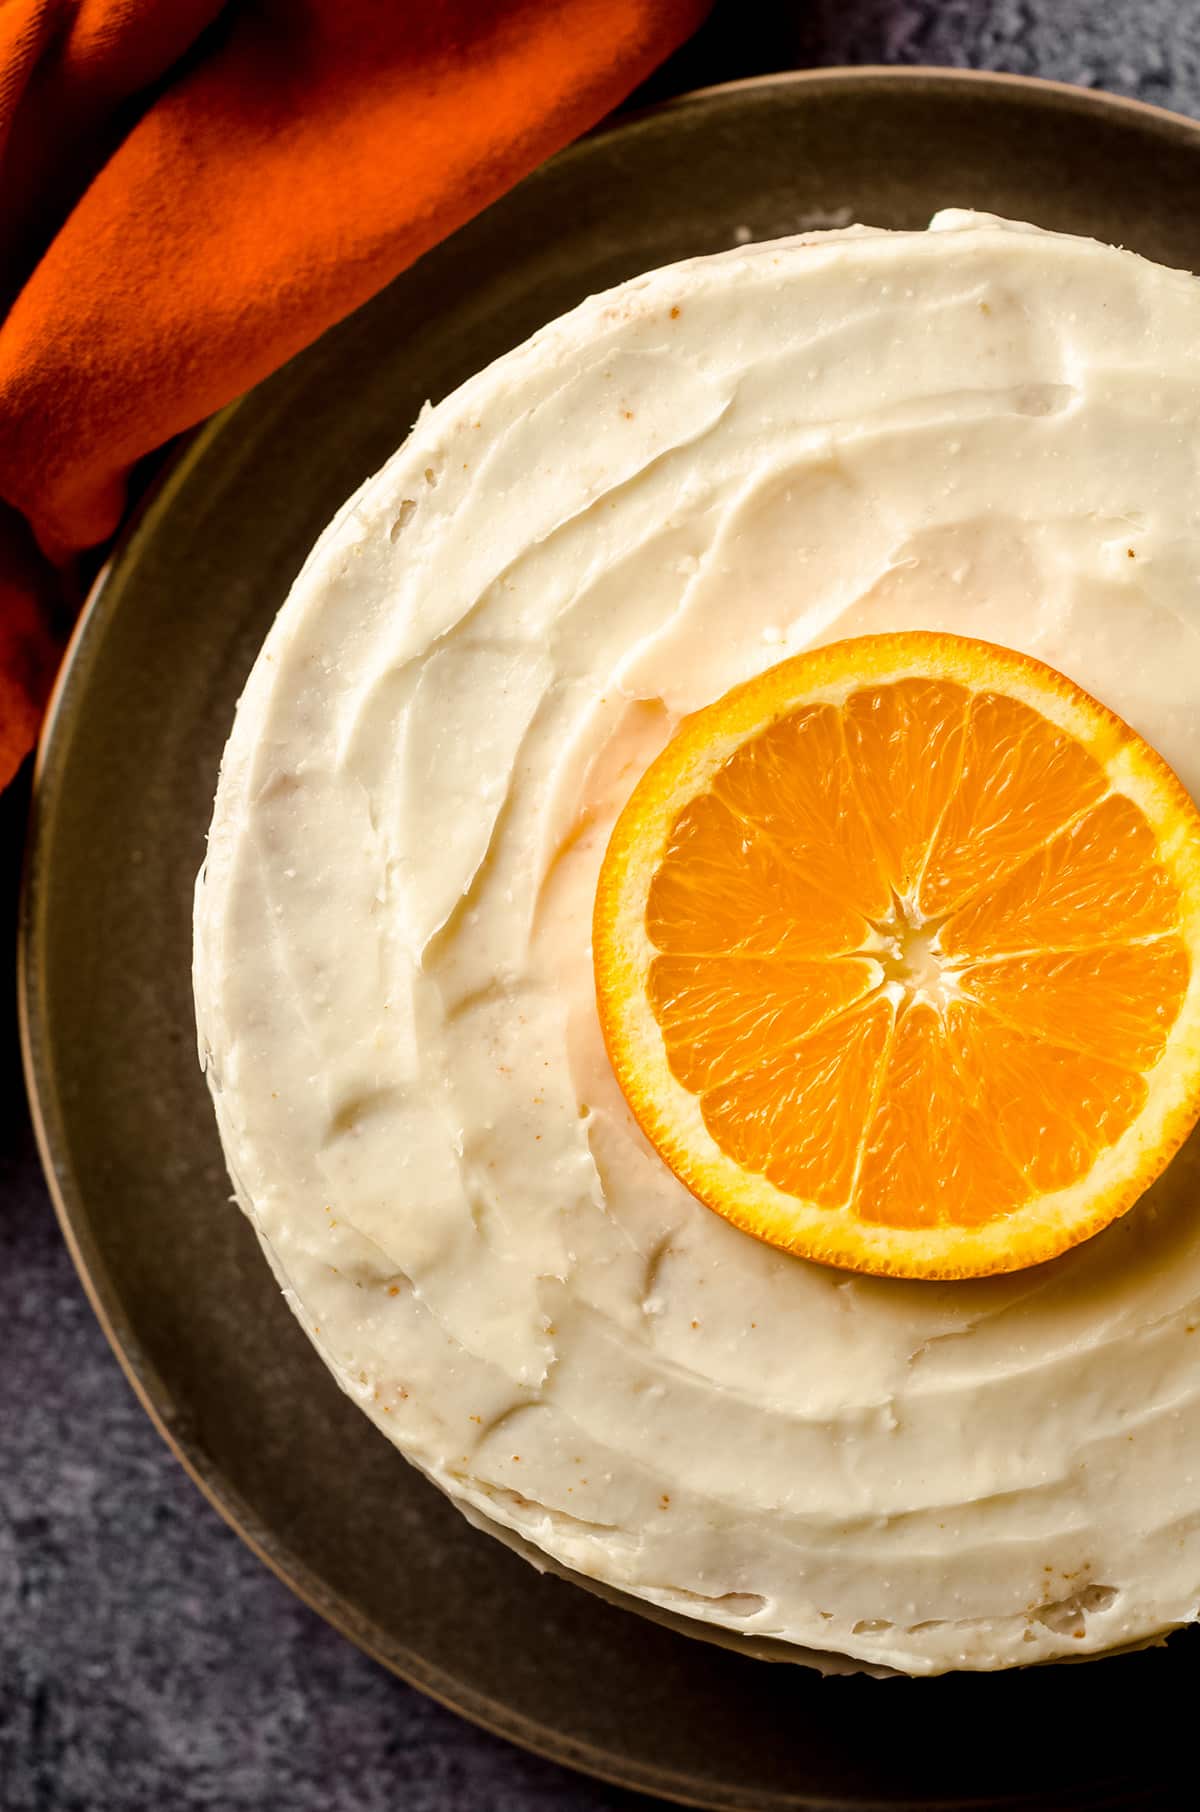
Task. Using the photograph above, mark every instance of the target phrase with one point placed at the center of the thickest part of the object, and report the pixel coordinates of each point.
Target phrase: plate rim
(67, 1199)
(1072, 95)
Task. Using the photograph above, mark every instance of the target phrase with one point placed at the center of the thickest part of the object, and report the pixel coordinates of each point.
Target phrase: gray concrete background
(148, 1662)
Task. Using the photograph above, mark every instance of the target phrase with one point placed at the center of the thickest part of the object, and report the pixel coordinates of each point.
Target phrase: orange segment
(931, 1156)
(720, 1016)
(1021, 778)
(792, 1118)
(721, 888)
(897, 954)
(1119, 999)
(1096, 881)
(1050, 1108)
(795, 784)
(905, 746)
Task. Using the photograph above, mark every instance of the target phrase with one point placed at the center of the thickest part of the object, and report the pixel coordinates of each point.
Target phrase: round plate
(123, 794)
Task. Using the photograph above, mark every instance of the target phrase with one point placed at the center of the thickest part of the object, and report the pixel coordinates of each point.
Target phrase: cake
(983, 429)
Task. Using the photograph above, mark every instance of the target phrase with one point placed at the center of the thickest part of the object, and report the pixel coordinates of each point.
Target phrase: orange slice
(897, 954)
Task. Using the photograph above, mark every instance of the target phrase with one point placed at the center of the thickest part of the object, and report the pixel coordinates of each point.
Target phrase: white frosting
(981, 428)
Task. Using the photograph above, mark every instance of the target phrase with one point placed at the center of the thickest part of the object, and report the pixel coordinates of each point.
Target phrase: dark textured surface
(147, 1659)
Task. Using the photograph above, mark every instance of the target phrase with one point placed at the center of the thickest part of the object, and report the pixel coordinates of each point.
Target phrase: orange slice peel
(897, 958)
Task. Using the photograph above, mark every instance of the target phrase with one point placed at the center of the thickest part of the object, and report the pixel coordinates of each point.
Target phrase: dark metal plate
(122, 802)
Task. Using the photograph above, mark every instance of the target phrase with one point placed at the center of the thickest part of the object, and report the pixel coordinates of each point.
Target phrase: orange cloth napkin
(190, 192)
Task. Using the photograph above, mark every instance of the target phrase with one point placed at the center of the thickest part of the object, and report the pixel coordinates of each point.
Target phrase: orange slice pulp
(897, 956)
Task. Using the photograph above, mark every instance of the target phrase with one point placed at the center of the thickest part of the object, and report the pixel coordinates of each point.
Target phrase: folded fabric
(191, 192)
